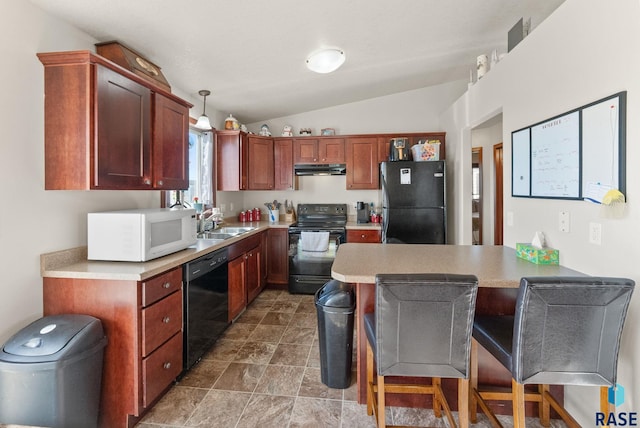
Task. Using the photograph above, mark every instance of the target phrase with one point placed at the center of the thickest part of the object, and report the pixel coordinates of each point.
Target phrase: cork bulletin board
(578, 155)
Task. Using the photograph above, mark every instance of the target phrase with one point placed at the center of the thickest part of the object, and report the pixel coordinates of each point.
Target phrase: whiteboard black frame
(621, 152)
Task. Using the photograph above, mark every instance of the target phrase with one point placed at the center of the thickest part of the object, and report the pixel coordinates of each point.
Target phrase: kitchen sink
(235, 230)
(224, 232)
(215, 235)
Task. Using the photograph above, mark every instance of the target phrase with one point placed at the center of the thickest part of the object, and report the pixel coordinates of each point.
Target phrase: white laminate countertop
(495, 266)
(361, 226)
(73, 263)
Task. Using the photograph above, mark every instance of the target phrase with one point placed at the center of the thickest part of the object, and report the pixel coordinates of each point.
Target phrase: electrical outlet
(223, 207)
(231, 206)
(595, 233)
(564, 221)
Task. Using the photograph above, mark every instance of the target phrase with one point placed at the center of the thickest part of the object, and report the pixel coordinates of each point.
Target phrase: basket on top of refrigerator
(426, 151)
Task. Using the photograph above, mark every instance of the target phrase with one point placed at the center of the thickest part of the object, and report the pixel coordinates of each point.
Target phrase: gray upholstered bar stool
(421, 327)
(566, 331)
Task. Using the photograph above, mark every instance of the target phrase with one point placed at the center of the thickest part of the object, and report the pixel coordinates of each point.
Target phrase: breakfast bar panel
(497, 268)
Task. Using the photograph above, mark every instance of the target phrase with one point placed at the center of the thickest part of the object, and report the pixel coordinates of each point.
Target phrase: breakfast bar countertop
(495, 266)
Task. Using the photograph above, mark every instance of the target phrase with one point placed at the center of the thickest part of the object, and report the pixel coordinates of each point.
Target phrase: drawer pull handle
(363, 235)
(166, 365)
(166, 320)
(166, 285)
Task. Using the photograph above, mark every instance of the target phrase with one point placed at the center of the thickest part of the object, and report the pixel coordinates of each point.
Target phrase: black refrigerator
(413, 202)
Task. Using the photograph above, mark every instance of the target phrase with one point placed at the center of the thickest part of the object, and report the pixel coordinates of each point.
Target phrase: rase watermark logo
(620, 419)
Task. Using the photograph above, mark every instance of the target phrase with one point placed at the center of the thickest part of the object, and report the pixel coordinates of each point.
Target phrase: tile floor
(265, 372)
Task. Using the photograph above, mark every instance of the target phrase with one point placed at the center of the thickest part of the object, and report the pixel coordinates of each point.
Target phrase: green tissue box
(544, 256)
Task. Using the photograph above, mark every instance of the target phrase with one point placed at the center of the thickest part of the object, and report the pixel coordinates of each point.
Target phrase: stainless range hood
(320, 169)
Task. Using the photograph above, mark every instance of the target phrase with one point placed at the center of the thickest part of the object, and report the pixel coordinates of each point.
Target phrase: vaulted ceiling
(251, 54)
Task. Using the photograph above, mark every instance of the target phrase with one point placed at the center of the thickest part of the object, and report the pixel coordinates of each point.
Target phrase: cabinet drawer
(161, 321)
(161, 368)
(362, 235)
(157, 287)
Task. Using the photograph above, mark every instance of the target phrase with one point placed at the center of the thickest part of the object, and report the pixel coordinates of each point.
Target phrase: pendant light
(203, 121)
(325, 60)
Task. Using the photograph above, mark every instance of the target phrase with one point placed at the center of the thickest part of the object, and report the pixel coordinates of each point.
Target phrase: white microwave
(139, 235)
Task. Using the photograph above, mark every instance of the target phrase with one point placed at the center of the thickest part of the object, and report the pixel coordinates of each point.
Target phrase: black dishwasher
(206, 304)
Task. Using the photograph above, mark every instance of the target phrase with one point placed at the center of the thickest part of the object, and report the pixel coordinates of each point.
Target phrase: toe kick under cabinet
(143, 324)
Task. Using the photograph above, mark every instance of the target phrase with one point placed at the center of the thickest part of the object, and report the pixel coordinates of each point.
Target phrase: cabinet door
(170, 144)
(284, 179)
(278, 260)
(123, 156)
(237, 286)
(260, 162)
(254, 274)
(231, 160)
(331, 150)
(305, 151)
(362, 163)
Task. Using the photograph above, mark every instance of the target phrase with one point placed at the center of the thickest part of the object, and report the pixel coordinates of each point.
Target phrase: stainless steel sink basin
(235, 230)
(224, 232)
(215, 235)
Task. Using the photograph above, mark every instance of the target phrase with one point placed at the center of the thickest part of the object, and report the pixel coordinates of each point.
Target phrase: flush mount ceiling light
(325, 60)
(203, 121)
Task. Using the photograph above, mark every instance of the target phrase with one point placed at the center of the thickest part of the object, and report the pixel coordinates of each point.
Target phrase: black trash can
(335, 302)
(51, 371)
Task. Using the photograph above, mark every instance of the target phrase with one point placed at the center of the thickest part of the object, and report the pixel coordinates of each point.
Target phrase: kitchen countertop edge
(73, 263)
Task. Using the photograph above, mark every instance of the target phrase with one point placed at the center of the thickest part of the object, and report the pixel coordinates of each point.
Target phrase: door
(254, 273)
(170, 144)
(312, 263)
(497, 161)
(123, 156)
(284, 179)
(413, 184)
(361, 156)
(237, 286)
(476, 195)
(260, 171)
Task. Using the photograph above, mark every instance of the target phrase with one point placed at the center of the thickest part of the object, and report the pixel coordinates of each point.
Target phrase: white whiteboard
(577, 155)
(601, 148)
(521, 158)
(555, 157)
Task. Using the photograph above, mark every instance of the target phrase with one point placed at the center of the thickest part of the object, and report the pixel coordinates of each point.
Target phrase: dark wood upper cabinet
(171, 147)
(362, 163)
(261, 163)
(106, 128)
(244, 162)
(318, 150)
(284, 178)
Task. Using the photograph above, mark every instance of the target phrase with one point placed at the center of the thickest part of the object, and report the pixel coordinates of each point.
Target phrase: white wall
(586, 50)
(412, 111)
(33, 221)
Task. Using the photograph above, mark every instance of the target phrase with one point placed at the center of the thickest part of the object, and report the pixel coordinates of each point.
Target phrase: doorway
(476, 195)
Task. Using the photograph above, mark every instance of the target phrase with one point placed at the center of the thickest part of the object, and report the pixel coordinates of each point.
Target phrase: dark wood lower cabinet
(246, 278)
(278, 258)
(143, 324)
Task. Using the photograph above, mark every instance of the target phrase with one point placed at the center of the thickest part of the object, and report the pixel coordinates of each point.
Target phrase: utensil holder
(274, 216)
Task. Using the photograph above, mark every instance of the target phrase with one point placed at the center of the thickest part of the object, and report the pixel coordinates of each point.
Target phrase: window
(200, 170)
